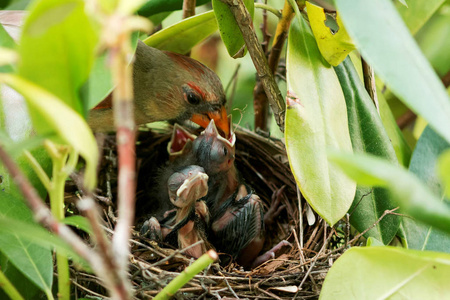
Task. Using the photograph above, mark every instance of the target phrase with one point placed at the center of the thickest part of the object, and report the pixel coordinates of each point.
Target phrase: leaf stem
(273, 10)
(38, 169)
(9, 288)
(201, 263)
(56, 193)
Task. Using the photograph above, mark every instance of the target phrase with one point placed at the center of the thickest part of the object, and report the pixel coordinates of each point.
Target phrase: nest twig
(262, 161)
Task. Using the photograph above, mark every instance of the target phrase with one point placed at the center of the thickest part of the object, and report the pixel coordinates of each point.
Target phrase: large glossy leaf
(385, 42)
(316, 119)
(413, 196)
(334, 46)
(184, 35)
(424, 166)
(417, 12)
(368, 136)
(388, 273)
(152, 7)
(57, 49)
(51, 116)
(229, 29)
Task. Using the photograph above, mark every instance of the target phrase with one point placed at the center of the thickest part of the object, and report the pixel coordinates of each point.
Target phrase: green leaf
(316, 119)
(26, 287)
(184, 35)
(413, 196)
(29, 258)
(385, 42)
(334, 46)
(373, 242)
(50, 115)
(57, 49)
(368, 136)
(78, 222)
(7, 42)
(33, 233)
(424, 165)
(153, 7)
(444, 167)
(417, 12)
(401, 147)
(229, 29)
(99, 84)
(388, 273)
(33, 261)
(434, 40)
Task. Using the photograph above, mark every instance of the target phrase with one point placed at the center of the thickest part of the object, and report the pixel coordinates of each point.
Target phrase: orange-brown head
(171, 86)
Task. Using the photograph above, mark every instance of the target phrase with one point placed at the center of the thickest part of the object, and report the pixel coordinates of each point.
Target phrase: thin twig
(245, 23)
(260, 101)
(43, 215)
(385, 213)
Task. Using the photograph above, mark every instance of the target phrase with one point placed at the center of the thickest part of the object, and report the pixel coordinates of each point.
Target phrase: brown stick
(244, 21)
(43, 215)
(369, 82)
(188, 8)
(260, 99)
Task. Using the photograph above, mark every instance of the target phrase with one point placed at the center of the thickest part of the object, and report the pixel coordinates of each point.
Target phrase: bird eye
(193, 98)
(225, 151)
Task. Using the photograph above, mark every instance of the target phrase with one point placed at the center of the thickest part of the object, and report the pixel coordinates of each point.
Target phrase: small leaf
(316, 119)
(424, 165)
(368, 136)
(229, 29)
(388, 273)
(57, 48)
(50, 115)
(79, 222)
(334, 46)
(414, 197)
(385, 42)
(184, 35)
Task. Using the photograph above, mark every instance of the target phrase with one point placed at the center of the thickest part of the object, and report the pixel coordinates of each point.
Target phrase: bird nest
(297, 272)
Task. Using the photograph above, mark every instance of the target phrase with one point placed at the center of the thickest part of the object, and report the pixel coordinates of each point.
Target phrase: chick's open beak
(220, 119)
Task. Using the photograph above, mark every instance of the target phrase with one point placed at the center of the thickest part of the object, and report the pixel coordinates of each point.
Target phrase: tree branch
(244, 21)
(260, 101)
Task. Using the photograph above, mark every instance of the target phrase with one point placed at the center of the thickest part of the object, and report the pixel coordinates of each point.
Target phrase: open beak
(220, 119)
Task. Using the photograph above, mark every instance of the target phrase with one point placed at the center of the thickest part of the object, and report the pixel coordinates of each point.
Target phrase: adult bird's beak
(220, 119)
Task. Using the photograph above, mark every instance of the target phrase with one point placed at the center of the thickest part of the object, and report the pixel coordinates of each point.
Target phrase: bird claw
(275, 208)
(151, 229)
(271, 254)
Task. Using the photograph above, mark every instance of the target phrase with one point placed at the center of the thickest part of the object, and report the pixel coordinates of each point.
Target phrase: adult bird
(169, 86)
